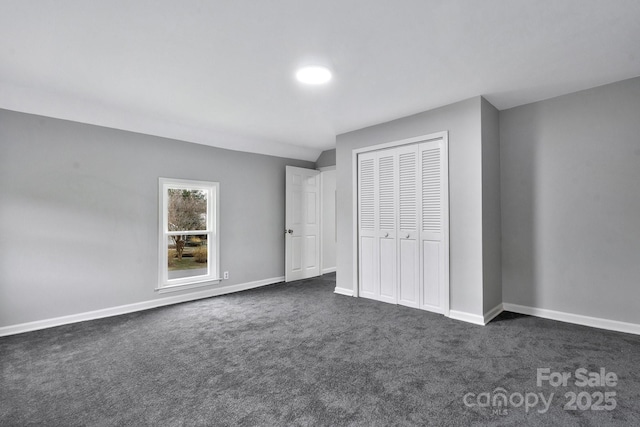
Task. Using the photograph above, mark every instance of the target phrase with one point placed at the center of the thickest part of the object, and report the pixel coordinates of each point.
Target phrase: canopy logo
(499, 401)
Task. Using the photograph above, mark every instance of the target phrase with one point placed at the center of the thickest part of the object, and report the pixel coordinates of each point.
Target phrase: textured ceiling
(221, 72)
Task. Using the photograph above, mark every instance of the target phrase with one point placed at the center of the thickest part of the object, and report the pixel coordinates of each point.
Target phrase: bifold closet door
(402, 225)
(434, 265)
(387, 190)
(388, 222)
(408, 226)
(368, 224)
(377, 187)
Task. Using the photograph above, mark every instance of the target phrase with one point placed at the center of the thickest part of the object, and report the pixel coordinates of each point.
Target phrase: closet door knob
(408, 235)
(386, 234)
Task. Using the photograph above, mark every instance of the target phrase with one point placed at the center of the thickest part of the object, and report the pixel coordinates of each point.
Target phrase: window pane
(187, 209)
(187, 256)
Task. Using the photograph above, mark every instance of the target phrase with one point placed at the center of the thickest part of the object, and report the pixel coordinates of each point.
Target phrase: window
(189, 246)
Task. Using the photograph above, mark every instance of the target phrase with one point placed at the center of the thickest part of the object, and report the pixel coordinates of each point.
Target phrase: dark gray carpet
(297, 354)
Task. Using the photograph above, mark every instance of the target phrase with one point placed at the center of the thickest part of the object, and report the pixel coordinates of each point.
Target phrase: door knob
(408, 235)
(290, 231)
(386, 235)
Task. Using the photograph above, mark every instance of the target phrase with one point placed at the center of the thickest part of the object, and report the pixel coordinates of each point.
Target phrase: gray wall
(491, 222)
(328, 219)
(79, 212)
(462, 120)
(327, 158)
(571, 202)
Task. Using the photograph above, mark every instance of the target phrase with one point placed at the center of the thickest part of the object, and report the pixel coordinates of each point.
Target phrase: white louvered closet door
(368, 226)
(408, 227)
(387, 190)
(434, 227)
(403, 225)
(377, 187)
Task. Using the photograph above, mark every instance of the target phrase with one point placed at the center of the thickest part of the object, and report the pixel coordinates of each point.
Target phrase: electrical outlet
(226, 275)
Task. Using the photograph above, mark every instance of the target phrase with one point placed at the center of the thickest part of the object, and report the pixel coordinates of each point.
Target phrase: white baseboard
(328, 270)
(130, 308)
(489, 315)
(475, 318)
(343, 291)
(466, 317)
(578, 319)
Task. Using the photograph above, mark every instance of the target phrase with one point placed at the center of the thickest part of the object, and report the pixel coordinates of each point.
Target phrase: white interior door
(302, 223)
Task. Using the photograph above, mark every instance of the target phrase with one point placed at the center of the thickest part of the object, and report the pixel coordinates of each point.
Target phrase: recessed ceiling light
(313, 75)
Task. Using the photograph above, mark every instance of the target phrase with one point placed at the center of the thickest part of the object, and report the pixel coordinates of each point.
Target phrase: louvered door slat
(386, 192)
(408, 191)
(367, 194)
(431, 190)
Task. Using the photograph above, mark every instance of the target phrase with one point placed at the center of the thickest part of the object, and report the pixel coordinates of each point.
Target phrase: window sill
(185, 286)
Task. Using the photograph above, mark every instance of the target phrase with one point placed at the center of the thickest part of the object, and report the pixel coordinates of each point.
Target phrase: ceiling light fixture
(313, 75)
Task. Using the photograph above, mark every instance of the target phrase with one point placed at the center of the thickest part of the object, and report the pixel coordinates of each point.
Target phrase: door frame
(444, 135)
(322, 170)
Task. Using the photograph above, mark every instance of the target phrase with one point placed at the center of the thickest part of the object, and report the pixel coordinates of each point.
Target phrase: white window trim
(213, 232)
